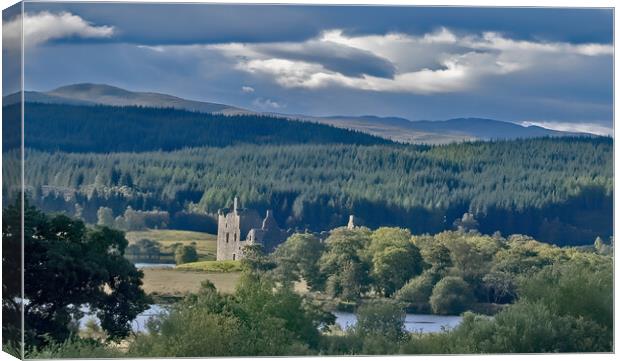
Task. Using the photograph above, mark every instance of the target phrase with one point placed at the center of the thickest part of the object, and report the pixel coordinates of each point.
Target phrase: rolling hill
(105, 128)
(92, 94)
(393, 128)
(481, 128)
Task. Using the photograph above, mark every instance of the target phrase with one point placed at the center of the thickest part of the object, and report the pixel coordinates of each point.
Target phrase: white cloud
(247, 89)
(45, 26)
(591, 128)
(443, 35)
(457, 72)
(436, 62)
(288, 73)
(298, 74)
(495, 41)
(158, 49)
(268, 104)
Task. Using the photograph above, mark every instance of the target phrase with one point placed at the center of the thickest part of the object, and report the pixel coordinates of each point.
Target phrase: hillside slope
(486, 129)
(392, 128)
(555, 189)
(102, 94)
(102, 128)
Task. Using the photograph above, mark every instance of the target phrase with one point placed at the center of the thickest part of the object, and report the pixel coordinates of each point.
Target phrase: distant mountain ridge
(487, 128)
(92, 94)
(393, 128)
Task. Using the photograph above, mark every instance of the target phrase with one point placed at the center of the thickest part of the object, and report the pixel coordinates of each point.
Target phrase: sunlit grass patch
(212, 266)
(205, 243)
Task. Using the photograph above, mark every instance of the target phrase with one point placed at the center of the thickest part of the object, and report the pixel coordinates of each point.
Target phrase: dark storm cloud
(157, 24)
(343, 59)
(11, 58)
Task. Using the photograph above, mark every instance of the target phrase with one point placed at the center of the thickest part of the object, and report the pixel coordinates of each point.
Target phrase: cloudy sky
(536, 66)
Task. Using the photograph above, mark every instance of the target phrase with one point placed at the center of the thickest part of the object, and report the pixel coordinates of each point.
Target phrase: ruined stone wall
(228, 236)
(233, 228)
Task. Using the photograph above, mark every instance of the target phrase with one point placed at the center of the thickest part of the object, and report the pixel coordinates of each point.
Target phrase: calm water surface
(137, 325)
(413, 322)
(154, 265)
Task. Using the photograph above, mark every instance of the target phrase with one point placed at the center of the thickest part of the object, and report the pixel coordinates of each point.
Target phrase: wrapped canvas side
(12, 181)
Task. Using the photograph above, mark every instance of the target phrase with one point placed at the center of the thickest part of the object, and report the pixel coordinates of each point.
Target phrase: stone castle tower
(240, 227)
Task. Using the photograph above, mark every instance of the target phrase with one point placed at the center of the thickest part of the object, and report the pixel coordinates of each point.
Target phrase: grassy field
(171, 282)
(211, 266)
(187, 277)
(205, 242)
(178, 282)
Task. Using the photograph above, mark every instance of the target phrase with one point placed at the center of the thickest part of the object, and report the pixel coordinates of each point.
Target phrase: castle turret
(270, 222)
(351, 224)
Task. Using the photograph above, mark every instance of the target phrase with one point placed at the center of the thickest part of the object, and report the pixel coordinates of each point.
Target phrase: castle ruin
(351, 225)
(242, 227)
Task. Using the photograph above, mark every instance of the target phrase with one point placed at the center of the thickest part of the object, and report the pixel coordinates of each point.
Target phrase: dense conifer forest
(101, 128)
(313, 176)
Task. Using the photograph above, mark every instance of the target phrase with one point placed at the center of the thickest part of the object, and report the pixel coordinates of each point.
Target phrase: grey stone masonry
(241, 227)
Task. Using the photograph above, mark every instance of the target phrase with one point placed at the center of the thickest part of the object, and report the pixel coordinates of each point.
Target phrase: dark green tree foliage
(521, 257)
(563, 302)
(144, 250)
(437, 256)
(192, 221)
(520, 328)
(11, 127)
(134, 220)
(255, 260)
(11, 279)
(185, 254)
(395, 259)
(557, 190)
(260, 319)
(532, 327)
(417, 292)
(393, 266)
(579, 287)
(381, 325)
(68, 266)
(472, 258)
(491, 266)
(198, 327)
(297, 258)
(258, 297)
(101, 128)
(344, 264)
(74, 348)
(565, 307)
(451, 296)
